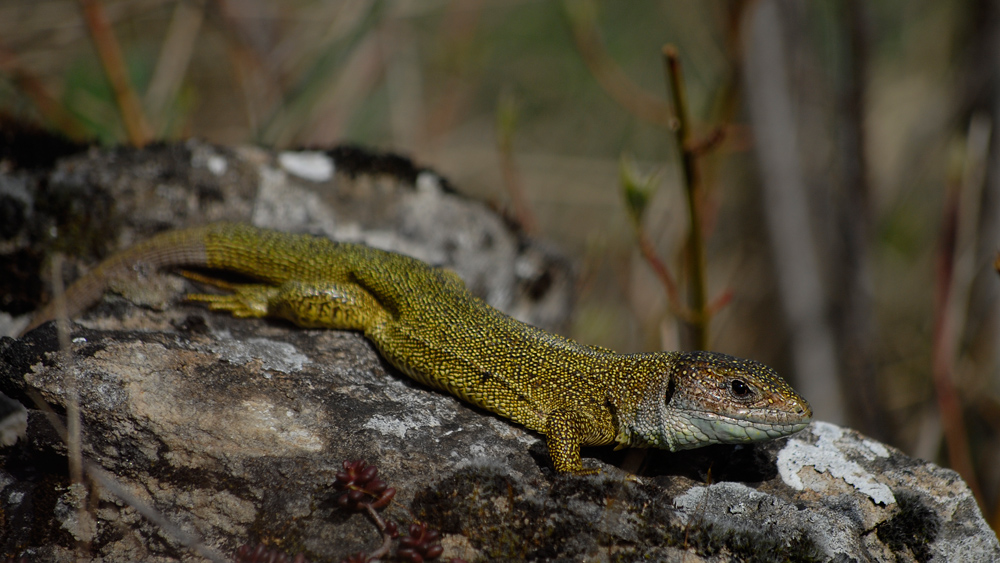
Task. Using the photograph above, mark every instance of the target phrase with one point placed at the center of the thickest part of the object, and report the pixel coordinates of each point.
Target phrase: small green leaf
(636, 187)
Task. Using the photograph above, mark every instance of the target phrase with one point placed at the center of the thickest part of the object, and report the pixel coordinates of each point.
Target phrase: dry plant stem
(175, 55)
(74, 442)
(514, 185)
(943, 352)
(110, 53)
(168, 528)
(383, 549)
(995, 519)
(259, 81)
(664, 275)
(458, 30)
(345, 92)
(247, 66)
(71, 435)
(72, 399)
(609, 75)
(35, 90)
(699, 328)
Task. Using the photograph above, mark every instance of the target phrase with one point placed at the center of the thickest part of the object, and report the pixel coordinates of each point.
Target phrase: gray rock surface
(207, 432)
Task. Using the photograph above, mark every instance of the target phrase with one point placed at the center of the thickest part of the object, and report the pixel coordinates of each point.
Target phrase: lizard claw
(245, 301)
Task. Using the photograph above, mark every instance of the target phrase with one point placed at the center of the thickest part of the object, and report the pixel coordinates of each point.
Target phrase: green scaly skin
(425, 322)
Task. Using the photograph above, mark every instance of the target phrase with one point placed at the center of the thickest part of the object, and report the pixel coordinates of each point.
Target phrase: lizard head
(710, 398)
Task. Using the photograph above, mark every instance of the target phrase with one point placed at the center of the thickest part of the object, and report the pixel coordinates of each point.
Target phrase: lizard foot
(245, 301)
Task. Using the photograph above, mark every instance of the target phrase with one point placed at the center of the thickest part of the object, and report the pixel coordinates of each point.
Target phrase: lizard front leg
(563, 438)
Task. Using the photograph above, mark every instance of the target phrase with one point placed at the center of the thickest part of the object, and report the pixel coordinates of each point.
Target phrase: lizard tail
(172, 248)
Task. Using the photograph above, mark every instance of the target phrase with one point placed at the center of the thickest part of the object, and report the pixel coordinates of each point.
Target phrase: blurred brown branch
(110, 53)
(943, 352)
(691, 150)
(637, 190)
(175, 56)
(513, 182)
(33, 88)
(261, 87)
(609, 75)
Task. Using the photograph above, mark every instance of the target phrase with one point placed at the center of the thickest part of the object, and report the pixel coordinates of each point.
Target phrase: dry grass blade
(175, 55)
(110, 53)
(35, 90)
(512, 180)
(609, 75)
(948, 270)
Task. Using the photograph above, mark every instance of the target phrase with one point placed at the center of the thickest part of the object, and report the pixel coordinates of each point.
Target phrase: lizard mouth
(702, 428)
(725, 429)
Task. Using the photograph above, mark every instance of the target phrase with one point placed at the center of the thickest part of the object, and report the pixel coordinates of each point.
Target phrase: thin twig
(175, 56)
(944, 349)
(512, 180)
(663, 274)
(383, 549)
(71, 434)
(72, 399)
(637, 190)
(110, 53)
(36, 91)
(74, 439)
(458, 35)
(699, 329)
(608, 74)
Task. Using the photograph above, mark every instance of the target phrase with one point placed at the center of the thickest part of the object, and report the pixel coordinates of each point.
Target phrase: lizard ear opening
(671, 388)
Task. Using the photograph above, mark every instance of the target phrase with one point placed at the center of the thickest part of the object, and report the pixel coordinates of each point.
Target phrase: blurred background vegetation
(848, 170)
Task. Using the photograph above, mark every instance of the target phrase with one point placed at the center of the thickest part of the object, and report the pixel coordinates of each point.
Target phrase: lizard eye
(740, 389)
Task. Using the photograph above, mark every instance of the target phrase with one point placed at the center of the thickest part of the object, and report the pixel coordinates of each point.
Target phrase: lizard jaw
(699, 428)
(658, 425)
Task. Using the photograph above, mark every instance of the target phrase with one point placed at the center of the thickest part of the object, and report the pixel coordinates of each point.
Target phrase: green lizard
(424, 321)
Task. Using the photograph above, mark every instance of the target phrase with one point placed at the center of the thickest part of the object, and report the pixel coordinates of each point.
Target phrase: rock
(205, 433)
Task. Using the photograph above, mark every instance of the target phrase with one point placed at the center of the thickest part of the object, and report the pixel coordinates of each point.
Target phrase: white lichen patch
(398, 427)
(217, 165)
(736, 505)
(429, 182)
(314, 166)
(828, 456)
(72, 516)
(289, 206)
(283, 430)
(203, 156)
(221, 510)
(876, 449)
(272, 355)
(13, 421)
(693, 501)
